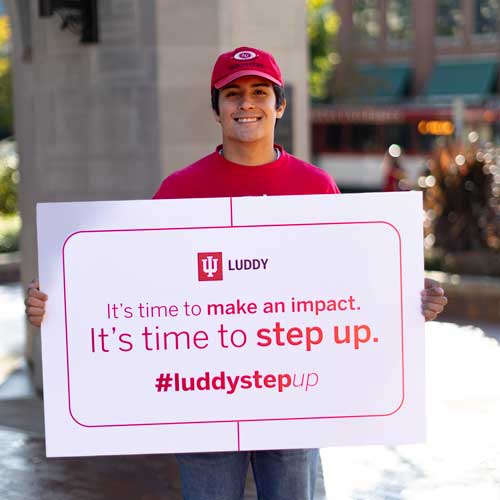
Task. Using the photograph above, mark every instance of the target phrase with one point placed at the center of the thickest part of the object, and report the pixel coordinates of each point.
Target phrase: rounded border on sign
(66, 327)
(400, 405)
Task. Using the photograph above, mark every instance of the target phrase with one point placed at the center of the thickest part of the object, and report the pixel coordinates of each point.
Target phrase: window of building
(487, 13)
(334, 137)
(366, 20)
(399, 134)
(449, 18)
(398, 19)
(364, 138)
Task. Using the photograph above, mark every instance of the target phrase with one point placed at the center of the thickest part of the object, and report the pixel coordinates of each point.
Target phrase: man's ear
(216, 116)
(281, 110)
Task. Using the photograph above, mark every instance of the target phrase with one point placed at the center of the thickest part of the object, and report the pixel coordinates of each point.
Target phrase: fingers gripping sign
(35, 303)
(433, 299)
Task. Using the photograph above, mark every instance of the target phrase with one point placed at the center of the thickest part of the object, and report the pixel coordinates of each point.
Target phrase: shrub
(462, 204)
(10, 227)
(9, 178)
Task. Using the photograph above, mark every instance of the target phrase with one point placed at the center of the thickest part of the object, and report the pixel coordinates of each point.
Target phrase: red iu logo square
(210, 266)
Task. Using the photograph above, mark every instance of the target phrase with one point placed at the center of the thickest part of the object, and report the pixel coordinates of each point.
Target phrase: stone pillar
(86, 116)
(110, 120)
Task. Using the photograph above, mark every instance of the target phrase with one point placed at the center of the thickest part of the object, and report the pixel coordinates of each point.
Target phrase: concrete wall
(110, 120)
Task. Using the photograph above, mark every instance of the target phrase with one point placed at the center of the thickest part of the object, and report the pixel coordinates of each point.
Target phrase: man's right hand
(35, 303)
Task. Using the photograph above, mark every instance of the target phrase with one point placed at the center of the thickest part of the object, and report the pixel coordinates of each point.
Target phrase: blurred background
(102, 99)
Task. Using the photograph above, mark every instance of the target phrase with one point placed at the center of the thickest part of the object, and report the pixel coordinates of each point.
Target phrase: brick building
(409, 72)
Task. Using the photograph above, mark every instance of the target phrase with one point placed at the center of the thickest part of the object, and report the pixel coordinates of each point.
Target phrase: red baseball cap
(245, 61)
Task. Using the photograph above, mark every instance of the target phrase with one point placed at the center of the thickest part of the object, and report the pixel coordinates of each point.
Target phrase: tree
(6, 114)
(323, 24)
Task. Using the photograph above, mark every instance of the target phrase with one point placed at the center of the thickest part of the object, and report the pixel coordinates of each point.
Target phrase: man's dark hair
(279, 92)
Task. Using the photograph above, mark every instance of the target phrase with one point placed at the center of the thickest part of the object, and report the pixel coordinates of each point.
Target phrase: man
(247, 99)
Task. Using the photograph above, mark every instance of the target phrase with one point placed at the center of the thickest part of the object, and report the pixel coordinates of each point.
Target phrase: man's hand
(35, 303)
(433, 299)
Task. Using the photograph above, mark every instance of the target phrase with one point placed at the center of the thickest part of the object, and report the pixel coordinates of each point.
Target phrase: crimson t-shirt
(214, 177)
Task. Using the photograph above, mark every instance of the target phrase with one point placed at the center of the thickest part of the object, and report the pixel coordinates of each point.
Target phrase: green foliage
(10, 222)
(9, 178)
(10, 227)
(322, 27)
(6, 111)
(6, 120)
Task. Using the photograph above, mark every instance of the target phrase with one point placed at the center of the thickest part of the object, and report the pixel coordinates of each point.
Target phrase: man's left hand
(433, 299)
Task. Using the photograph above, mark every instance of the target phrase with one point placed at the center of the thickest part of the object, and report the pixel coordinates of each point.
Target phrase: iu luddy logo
(210, 266)
(245, 55)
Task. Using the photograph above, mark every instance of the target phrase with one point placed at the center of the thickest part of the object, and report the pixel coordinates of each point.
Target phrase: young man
(247, 99)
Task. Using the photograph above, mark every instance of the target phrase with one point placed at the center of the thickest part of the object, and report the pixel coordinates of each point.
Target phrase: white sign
(232, 324)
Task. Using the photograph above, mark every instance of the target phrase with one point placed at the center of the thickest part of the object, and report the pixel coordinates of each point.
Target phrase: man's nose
(246, 102)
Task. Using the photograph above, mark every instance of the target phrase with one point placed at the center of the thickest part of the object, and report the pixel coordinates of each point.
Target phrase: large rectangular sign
(232, 324)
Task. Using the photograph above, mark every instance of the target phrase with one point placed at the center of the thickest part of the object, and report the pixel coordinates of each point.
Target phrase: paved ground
(11, 328)
(460, 461)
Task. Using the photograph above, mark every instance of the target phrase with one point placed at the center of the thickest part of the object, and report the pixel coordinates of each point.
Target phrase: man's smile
(247, 119)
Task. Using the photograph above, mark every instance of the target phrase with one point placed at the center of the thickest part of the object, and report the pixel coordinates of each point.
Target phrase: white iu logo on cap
(245, 55)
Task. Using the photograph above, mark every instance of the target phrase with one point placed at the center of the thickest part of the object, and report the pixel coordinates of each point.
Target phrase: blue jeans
(279, 474)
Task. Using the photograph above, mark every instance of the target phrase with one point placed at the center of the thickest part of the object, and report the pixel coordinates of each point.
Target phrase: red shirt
(214, 177)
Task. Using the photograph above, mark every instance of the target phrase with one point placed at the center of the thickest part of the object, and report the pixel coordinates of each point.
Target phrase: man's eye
(231, 94)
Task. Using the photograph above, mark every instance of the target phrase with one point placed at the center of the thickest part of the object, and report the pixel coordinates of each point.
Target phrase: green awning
(384, 82)
(462, 79)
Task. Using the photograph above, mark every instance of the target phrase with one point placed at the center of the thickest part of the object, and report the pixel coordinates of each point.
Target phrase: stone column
(86, 116)
(109, 120)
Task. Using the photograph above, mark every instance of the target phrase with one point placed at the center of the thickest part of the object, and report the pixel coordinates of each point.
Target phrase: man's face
(247, 110)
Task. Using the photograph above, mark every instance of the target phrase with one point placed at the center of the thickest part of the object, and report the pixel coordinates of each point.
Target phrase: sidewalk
(460, 461)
